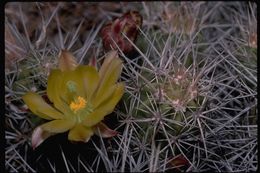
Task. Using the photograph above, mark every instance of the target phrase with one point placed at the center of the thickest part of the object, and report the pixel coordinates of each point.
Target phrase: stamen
(79, 103)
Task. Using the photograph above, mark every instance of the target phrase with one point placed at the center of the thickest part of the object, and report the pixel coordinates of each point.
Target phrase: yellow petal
(109, 72)
(90, 78)
(54, 90)
(58, 126)
(106, 64)
(80, 133)
(94, 118)
(107, 95)
(39, 135)
(39, 107)
(53, 83)
(105, 108)
(111, 102)
(102, 130)
(67, 61)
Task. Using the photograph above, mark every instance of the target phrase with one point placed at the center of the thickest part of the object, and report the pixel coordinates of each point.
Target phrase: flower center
(78, 104)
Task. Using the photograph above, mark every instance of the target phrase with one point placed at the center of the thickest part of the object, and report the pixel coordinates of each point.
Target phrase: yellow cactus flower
(81, 97)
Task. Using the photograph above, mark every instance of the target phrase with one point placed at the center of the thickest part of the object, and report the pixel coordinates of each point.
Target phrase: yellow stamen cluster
(78, 104)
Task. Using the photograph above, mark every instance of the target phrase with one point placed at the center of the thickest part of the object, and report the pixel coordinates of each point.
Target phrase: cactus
(190, 86)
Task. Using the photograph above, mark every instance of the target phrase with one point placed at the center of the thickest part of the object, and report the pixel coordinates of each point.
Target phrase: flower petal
(105, 108)
(90, 78)
(59, 126)
(80, 133)
(39, 107)
(54, 90)
(39, 135)
(67, 61)
(102, 130)
(94, 118)
(109, 72)
(107, 95)
(111, 102)
(109, 57)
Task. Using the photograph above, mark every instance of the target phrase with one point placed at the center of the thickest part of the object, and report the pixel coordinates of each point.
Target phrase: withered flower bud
(112, 32)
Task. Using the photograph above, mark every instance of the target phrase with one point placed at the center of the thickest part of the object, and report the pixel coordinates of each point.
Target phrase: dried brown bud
(112, 33)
